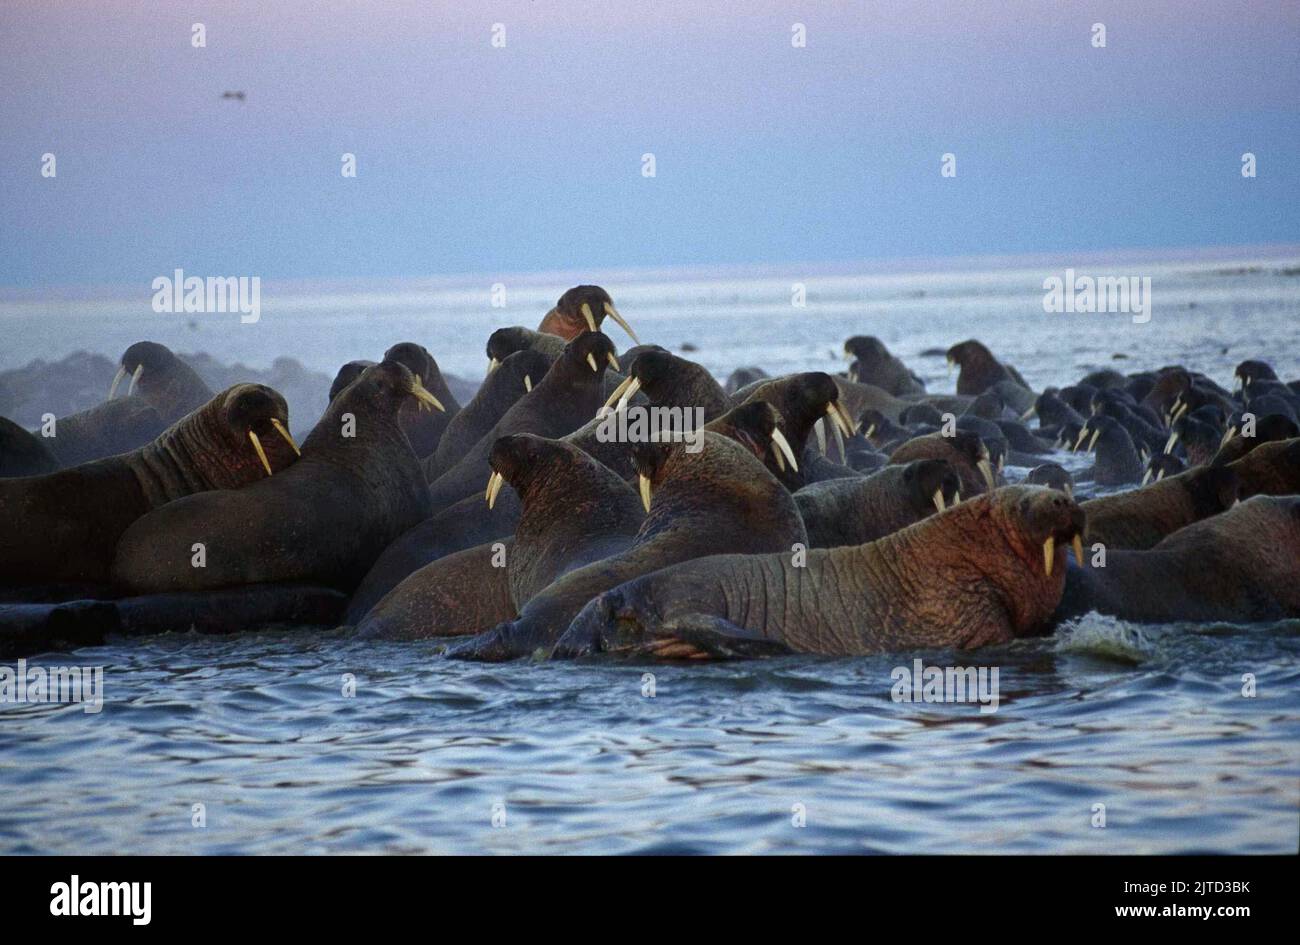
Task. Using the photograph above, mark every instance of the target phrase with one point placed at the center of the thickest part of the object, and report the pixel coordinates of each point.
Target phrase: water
(1149, 721)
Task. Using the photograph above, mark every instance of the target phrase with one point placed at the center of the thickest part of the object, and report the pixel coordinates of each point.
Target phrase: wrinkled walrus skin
(986, 571)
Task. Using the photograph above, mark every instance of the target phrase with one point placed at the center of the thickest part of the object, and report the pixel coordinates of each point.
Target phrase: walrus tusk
(987, 471)
(618, 393)
(820, 430)
(1228, 434)
(1182, 409)
(1069, 490)
(956, 497)
(1236, 383)
(591, 319)
(1049, 554)
(135, 377)
(835, 424)
(783, 446)
(1092, 444)
(493, 364)
(261, 453)
(279, 428)
(1077, 545)
(495, 482)
(117, 379)
(780, 460)
(613, 361)
(1029, 413)
(591, 359)
(645, 491)
(840, 417)
(937, 499)
(423, 396)
(1147, 477)
(1083, 433)
(528, 382)
(870, 431)
(612, 312)
(1169, 443)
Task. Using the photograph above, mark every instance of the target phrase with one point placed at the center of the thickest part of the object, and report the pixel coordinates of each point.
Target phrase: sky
(528, 158)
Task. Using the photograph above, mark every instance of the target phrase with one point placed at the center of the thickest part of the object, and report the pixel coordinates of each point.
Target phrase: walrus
(854, 511)
(1139, 518)
(424, 426)
(668, 380)
(979, 369)
(574, 512)
(324, 520)
(1052, 475)
(562, 401)
(964, 451)
(983, 572)
(1118, 463)
(743, 377)
(1267, 429)
(22, 453)
(580, 309)
(1235, 567)
(516, 375)
(802, 399)
(1269, 469)
(162, 389)
(507, 341)
(63, 527)
(348, 373)
(720, 498)
(1247, 372)
(1161, 465)
(873, 364)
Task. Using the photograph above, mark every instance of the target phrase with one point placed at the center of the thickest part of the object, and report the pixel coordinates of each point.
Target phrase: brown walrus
(720, 498)
(575, 511)
(161, 390)
(964, 451)
(1139, 518)
(1238, 566)
(802, 399)
(63, 527)
(1269, 469)
(980, 370)
(564, 400)
(986, 571)
(580, 309)
(873, 364)
(324, 520)
(424, 422)
(854, 511)
(515, 376)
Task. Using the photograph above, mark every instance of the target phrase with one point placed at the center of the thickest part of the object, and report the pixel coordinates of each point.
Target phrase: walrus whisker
(783, 446)
(117, 379)
(612, 312)
(261, 453)
(591, 319)
(280, 428)
(495, 481)
(644, 484)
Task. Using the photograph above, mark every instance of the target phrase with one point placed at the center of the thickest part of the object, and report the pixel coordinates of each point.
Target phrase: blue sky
(473, 159)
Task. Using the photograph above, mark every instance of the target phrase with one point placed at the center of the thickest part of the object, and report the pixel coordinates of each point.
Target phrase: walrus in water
(515, 376)
(23, 453)
(979, 370)
(873, 364)
(1269, 469)
(356, 487)
(1118, 463)
(983, 572)
(720, 498)
(162, 389)
(575, 511)
(564, 400)
(1267, 430)
(963, 451)
(580, 309)
(424, 426)
(1052, 475)
(853, 511)
(803, 400)
(63, 527)
(1234, 567)
(1141, 517)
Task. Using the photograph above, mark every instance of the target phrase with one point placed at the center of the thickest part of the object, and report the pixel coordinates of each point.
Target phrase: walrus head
(668, 381)
(347, 374)
(580, 309)
(964, 451)
(520, 459)
(167, 382)
(930, 485)
(1248, 372)
(978, 369)
(1053, 476)
(587, 354)
(757, 427)
(419, 362)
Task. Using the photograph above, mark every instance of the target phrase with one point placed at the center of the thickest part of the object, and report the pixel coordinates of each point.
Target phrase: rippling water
(1149, 721)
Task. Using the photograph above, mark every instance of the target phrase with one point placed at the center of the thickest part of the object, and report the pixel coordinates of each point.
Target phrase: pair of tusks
(1049, 552)
(493, 364)
(1239, 382)
(840, 425)
(622, 393)
(986, 469)
(1091, 443)
(495, 481)
(261, 453)
(609, 355)
(1148, 477)
(612, 312)
(425, 399)
(1180, 408)
(121, 373)
(781, 452)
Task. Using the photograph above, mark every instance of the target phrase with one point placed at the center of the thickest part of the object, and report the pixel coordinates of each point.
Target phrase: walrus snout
(934, 483)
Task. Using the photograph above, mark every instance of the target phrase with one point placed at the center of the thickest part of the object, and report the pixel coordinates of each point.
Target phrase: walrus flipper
(690, 637)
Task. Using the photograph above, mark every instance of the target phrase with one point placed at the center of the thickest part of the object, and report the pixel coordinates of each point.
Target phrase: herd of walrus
(822, 513)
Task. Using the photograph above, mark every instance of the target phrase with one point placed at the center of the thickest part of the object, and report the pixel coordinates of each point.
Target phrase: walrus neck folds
(188, 457)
